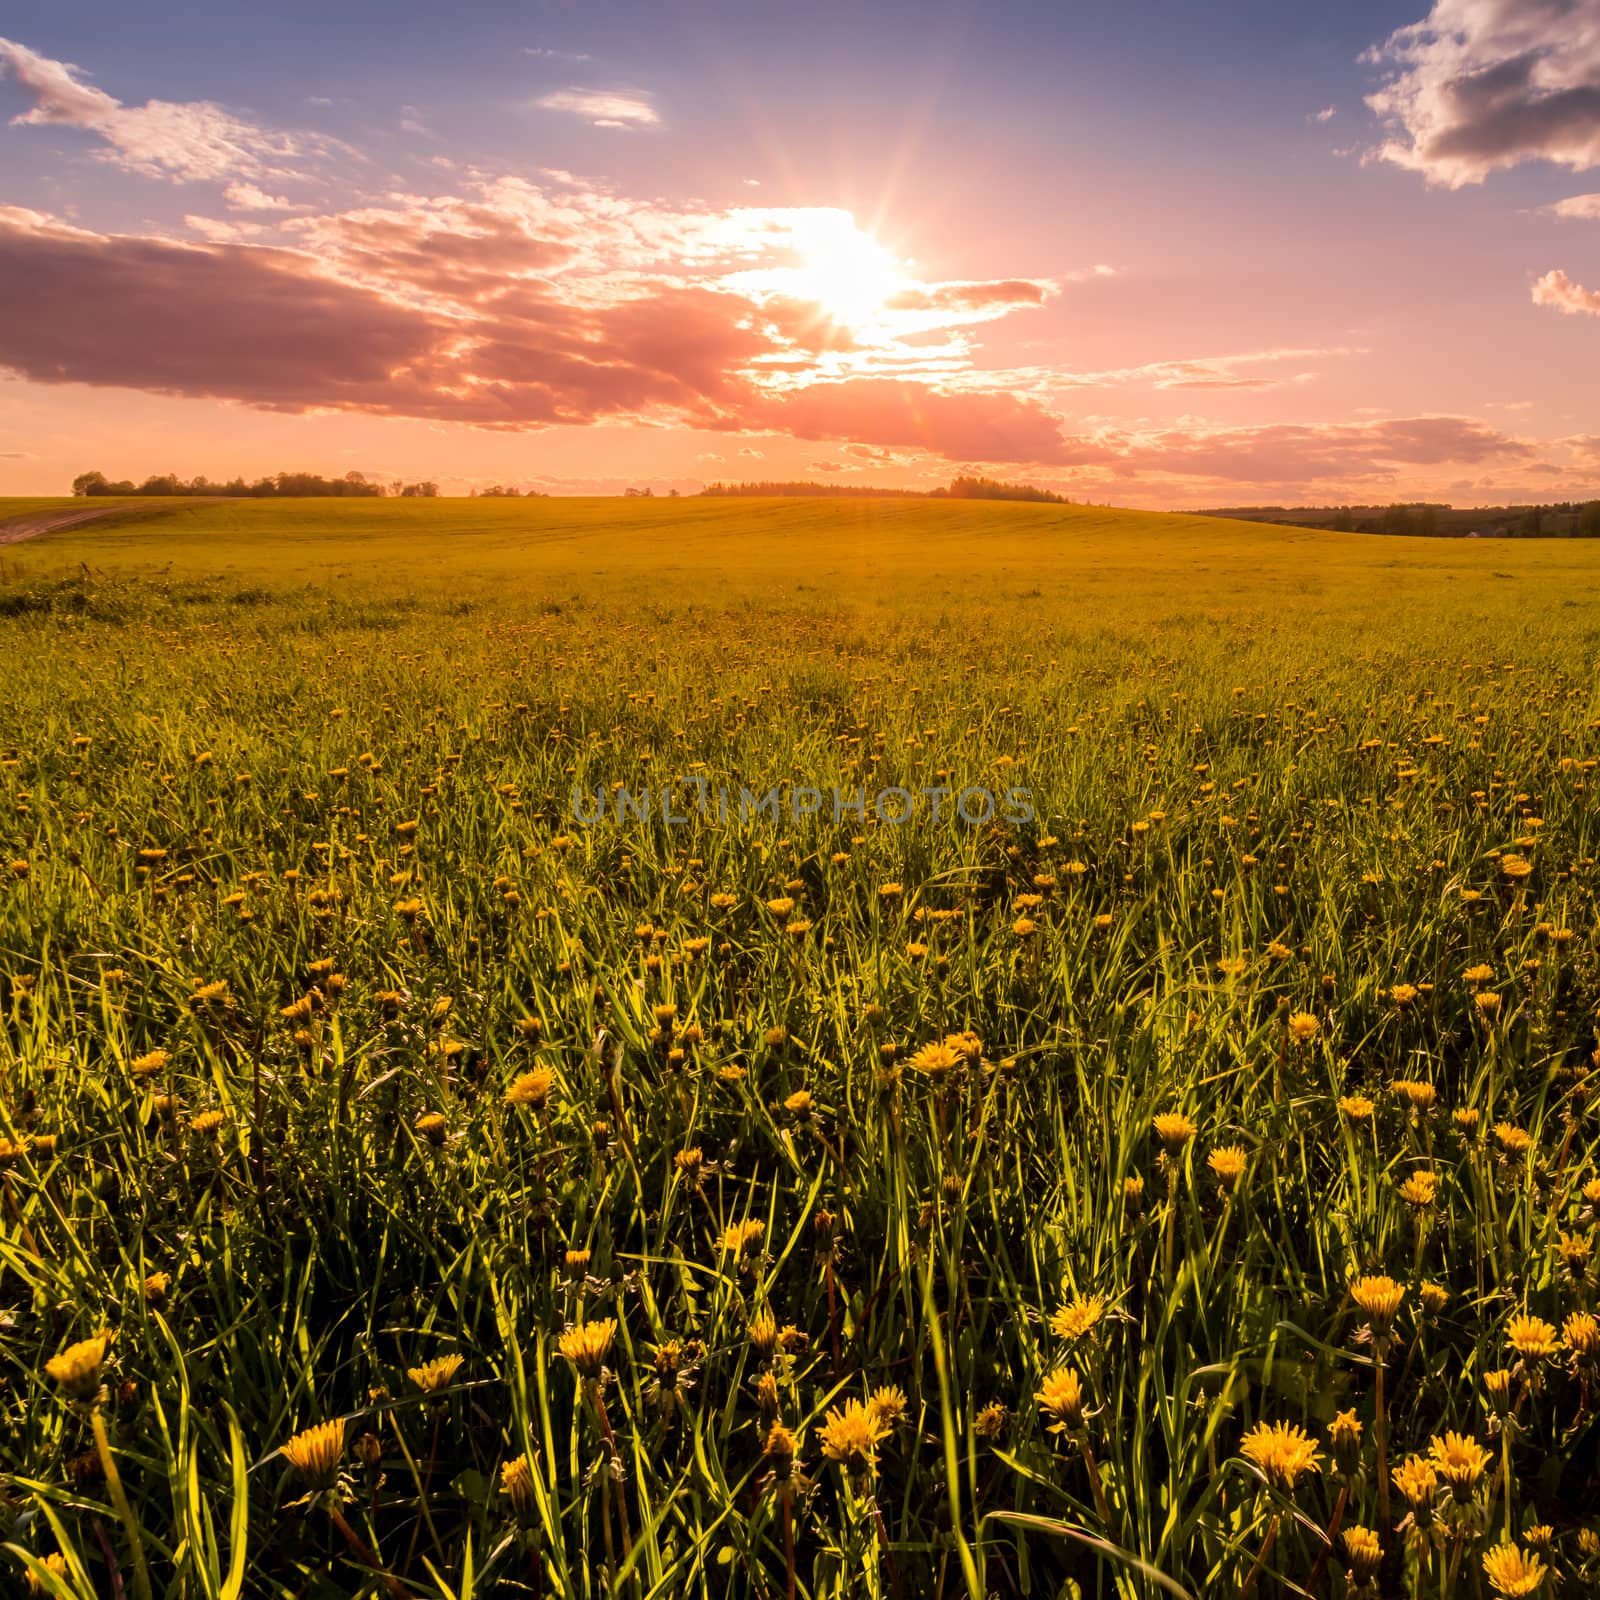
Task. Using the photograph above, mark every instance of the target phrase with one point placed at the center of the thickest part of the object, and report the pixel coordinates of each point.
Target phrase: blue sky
(1185, 184)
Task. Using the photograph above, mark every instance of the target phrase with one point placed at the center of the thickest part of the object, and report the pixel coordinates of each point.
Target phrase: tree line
(1562, 519)
(962, 488)
(281, 485)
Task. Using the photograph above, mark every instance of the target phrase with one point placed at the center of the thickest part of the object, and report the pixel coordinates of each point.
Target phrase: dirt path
(36, 523)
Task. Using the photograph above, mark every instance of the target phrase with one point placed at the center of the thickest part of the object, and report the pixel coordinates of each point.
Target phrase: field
(410, 1188)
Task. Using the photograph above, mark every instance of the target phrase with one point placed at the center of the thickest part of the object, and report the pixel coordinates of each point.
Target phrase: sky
(1141, 253)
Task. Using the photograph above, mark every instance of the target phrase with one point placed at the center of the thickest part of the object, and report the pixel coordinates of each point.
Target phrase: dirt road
(36, 523)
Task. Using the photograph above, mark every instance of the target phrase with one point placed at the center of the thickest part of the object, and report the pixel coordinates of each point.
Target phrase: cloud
(1004, 294)
(247, 197)
(1556, 289)
(603, 108)
(544, 53)
(1481, 85)
(1299, 454)
(992, 425)
(1206, 372)
(1578, 208)
(220, 231)
(1326, 114)
(451, 311)
(188, 141)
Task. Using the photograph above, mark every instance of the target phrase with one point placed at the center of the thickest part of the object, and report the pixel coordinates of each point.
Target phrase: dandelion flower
(1364, 1551)
(1282, 1451)
(850, 1435)
(888, 1405)
(1379, 1297)
(315, 1453)
(1078, 1318)
(935, 1060)
(1303, 1027)
(77, 1368)
(1531, 1337)
(587, 1344)
(1174, 1129)
(1228, 1163)
(1459, 1460)
(531, 1089)
(1581, 1331)
(1513, 1574)
(742, 1238)
(1417, 1482)
(516, 1484)
(1061, 1398)
(432, 1376)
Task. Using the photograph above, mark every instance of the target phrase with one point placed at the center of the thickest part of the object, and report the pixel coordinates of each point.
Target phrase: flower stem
(367, 1556)
(119, 1498)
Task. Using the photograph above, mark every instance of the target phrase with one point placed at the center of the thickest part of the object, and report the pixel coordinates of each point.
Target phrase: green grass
(1276, 774)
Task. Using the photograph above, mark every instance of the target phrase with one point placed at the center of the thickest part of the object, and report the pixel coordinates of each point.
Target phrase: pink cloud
(1002, 294)
(344, 329)
(1305, 453)
(187, 141)
(1557, 290)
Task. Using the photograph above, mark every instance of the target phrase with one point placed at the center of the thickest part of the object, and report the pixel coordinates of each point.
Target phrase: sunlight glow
(844, 270)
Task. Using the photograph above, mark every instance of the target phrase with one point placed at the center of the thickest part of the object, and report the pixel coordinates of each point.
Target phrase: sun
(843, 269)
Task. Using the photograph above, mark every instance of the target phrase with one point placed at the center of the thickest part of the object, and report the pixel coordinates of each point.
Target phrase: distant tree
(970, 488)
(499, 491)
(285, 483)
(424, 491)
(1589, 521)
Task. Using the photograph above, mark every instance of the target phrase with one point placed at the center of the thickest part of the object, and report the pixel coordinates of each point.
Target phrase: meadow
(409, 1189)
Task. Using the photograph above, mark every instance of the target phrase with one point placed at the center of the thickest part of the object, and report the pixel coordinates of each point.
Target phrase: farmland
(411, 1188)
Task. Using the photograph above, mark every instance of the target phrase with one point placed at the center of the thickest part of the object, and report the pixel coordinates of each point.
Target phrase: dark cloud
(1480, 85)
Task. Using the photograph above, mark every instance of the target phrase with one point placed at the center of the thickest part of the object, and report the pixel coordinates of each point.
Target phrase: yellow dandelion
(936, 1060)
(1514, 1141)
(1364, 1551)
(315, 1453)
(1531, 1337)
(1513, 1574)
(1581, 1333)
(77, 1368)
(1061, 1399)
(516, 1484)
(1228, 1163)
(531, 1089)
(1174, 1129)
(1379, 1297)
(1416, 1482)
(1078, 1318)
(1303, 1027)
(850, 1435)
(742, 1238)
(1283, 1452)
(432, 1376)
(1459, 1460)
(888, 1405)
(587, 1344)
